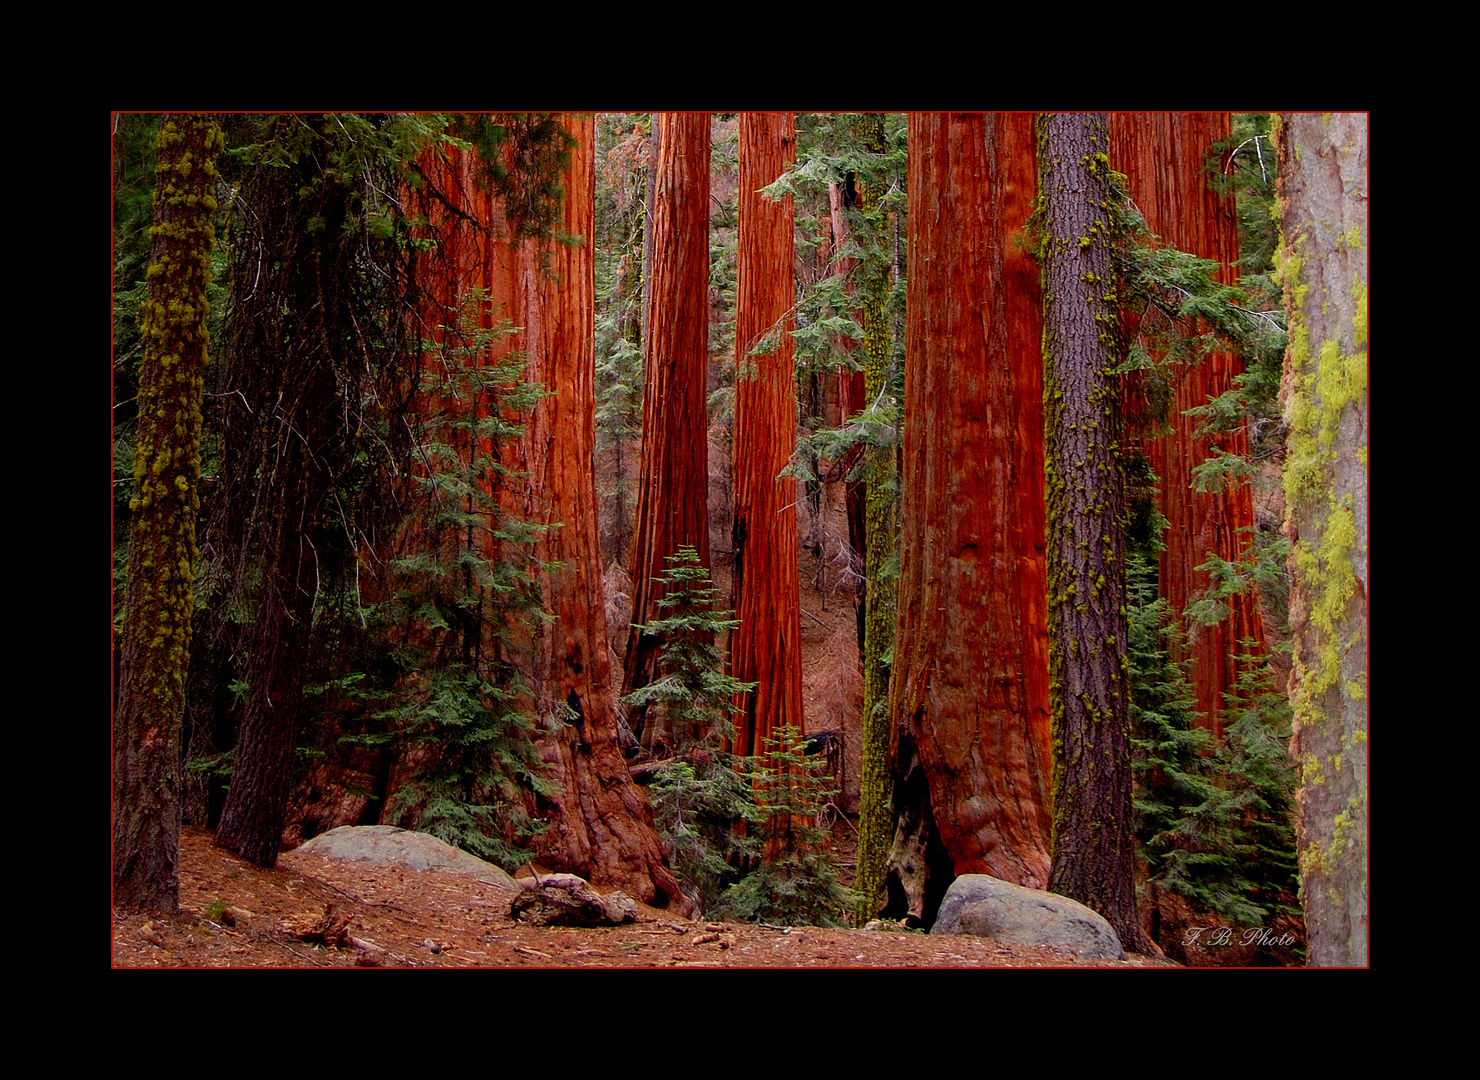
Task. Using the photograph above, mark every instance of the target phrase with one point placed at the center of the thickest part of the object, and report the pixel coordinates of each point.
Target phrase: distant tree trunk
(1323, 200)
(601, 826)
(159, 604)
(971, 714)
(1163, 156)
(1094, 843)
(766, 647)
(672, 505)
(651, 197)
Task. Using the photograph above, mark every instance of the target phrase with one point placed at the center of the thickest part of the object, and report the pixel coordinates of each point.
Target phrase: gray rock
(386, 845)
(980, 904)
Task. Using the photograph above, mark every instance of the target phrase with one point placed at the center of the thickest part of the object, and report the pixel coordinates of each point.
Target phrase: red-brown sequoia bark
(1094, 843)
(766, 647)
(1163, 157)
(600, 824)
(672, 506)
(969, 684)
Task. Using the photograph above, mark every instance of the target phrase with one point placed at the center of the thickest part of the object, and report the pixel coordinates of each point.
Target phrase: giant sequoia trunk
(1094, 844)
(1323, 197)
(159, 603)
(969, 689)
(672, 504)
(766, 647)
(1163, 156)
(601, 826)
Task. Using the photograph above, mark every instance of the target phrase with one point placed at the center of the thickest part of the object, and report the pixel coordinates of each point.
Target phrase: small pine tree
(1258, 784)
(797, 882)
(1170, 749)
(460, 591)
(1213, 822)
(700, 793)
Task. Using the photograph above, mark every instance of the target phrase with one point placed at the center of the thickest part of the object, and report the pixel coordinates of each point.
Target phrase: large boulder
(982, 905)
(386, 845)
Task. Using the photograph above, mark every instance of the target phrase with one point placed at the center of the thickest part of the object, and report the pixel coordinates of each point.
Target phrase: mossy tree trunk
(159, 603)
(766, 647)
(672, 503)
(970, 712)
(1094, 842)
(876, 811)
(601, 826)
(1323, 263)
(1164, 156)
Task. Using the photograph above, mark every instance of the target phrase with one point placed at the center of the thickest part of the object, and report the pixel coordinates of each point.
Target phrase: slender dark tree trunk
(970, 712)
(1323, 202)
(159, 604)
(1094, 843)
(313, 361)
(766, 647)
(672, 505)
(257, 802)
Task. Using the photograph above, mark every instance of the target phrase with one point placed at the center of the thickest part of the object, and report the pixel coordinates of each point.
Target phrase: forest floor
(235, 915)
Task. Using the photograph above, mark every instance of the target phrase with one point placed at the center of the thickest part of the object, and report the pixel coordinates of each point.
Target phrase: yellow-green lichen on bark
(159, 604)
(1325, 390)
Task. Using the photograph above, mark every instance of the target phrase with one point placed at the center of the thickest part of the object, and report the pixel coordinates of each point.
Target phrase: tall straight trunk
(1163, 156)
(672, 503)
(601, 826)
(1323, 263)
(298, 339)
(971, 713)
(766, 647)
(875, 819)
(1094, 843)
(849, 391)
(159, 604)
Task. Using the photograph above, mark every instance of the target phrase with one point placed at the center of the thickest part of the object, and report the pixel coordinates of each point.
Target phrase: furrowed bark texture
(601, 826)
(964, 697)
(356, 784)
(766, 647)
(300, 338)
(1323, 262)
(159, 603)
(1163, 156)
(1094, 844)
(672, 504)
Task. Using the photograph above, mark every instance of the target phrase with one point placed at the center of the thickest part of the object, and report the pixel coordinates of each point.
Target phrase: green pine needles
(796, 883)
(719, 814)
(464, 597)
(1213, 820)
(699, 793)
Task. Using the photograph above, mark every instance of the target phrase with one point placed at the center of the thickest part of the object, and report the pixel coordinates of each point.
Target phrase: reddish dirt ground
(431, 919)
